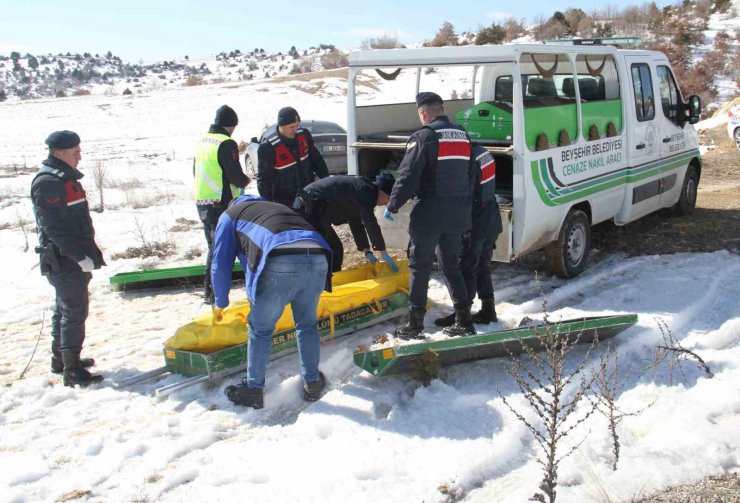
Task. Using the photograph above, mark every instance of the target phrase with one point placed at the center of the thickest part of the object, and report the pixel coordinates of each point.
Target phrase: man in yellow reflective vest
(218, 179)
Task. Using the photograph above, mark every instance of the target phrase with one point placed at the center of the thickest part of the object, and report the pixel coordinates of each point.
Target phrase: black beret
(287, 115)
(226, 117)
(385, 182)
(427, 98)
(62, 140)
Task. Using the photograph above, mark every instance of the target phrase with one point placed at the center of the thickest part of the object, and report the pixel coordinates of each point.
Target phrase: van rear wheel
(567, 256)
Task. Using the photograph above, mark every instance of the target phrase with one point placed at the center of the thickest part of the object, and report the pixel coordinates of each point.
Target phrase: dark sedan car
(330, 139)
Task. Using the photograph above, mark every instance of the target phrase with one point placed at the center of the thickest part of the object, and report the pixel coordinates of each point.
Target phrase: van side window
(598, 88)
(550, 115)
(670, 98)
(643, 86)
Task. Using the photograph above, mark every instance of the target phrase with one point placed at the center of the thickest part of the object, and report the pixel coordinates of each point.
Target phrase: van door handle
(667, 139)
(640, 146)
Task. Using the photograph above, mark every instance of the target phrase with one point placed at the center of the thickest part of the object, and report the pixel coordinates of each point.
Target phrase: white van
(581, 134)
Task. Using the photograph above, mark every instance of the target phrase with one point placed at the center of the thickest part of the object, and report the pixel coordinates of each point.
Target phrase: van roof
(470, 55)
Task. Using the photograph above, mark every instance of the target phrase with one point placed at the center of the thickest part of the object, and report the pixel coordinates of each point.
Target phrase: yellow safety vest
(208, 174)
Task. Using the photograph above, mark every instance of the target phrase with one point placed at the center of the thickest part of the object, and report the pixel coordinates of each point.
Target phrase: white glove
(87, 264)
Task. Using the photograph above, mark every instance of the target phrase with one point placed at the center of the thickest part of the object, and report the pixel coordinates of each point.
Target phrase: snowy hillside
(37, 76)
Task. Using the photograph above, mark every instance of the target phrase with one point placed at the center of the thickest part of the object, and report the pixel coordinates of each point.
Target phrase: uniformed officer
(343, 199)
(288, 160)
(479, 243)
(68, 252)
(438, 173)
(218, 179)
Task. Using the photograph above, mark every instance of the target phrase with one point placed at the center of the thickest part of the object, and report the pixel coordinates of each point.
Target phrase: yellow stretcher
(363, 284)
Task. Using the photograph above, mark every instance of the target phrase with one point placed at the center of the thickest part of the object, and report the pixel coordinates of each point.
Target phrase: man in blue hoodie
(285, 261)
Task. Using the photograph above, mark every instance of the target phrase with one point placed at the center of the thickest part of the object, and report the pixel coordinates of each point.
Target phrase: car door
(644, 179)
(673, 140)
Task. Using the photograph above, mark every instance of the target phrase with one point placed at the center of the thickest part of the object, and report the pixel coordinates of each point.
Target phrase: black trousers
(71, 308)
(422, 248)
(337, 249)
(209, 214)
(475, 264)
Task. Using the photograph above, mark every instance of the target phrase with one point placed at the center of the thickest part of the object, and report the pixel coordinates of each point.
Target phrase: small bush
(386, 41)
(60, 94)
(334, 59)
(194, 80)
(127, 91)
(81, 92)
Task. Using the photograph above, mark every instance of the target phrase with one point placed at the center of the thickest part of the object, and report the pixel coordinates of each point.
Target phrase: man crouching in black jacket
(68, 252)
(349, 200)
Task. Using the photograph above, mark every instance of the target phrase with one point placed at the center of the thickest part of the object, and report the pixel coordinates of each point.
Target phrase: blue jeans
(297, 280)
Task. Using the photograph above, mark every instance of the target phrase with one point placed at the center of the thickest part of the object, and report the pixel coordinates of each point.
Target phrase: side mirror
(693, 107)
(254, 139)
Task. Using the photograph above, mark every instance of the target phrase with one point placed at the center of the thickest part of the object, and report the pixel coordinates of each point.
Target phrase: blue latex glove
(371, 257)
(388, 215)
(389, 260)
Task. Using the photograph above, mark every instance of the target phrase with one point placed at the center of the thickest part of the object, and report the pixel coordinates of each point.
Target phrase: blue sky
(167, 29)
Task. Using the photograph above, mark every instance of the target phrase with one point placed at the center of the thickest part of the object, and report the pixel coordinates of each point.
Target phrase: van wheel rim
(691, 192)
(576, 244)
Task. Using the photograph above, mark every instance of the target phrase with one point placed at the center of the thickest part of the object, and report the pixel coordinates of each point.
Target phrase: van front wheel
(567, 256)
(687, 201)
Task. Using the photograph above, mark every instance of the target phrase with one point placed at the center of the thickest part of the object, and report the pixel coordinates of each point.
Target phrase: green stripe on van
(552, 197)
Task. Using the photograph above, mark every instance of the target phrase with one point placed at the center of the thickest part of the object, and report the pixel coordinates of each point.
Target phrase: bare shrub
(386, 41)
(124, 183)
(81, 92)
(193, 253)
(127, 92)
(514, 29)
(183, 225)
(146, 248)
(334, 59)
(445, 36)
(674, 353)
(99, 176)
(553, 393)
(194, 80)
(608, 384)
(23, 223)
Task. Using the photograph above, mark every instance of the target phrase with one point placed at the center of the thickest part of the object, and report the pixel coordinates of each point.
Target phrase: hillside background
(701, 38)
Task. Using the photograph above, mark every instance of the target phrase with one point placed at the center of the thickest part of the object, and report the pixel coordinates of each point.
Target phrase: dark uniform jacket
(231, 170)
(349, 199)
(65, 229)
(287, 165)
(249, 230)
(438, 173)
(486, 214)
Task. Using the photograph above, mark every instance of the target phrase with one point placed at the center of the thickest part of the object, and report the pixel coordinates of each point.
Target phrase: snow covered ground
(367, 439)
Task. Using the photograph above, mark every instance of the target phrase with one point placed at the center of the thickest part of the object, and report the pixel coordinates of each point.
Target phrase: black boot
(312, 390)
(208, 298)
(487, 313)
(463, 324)
(414, 328)
(57, 364)
(242, 394)
(445, 321)
(73, 371)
